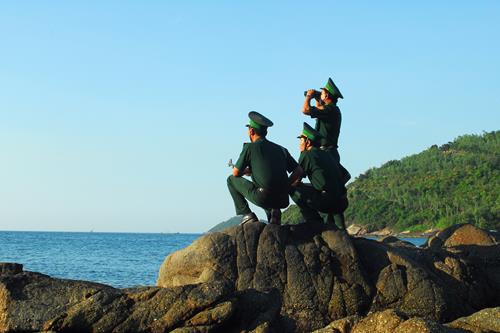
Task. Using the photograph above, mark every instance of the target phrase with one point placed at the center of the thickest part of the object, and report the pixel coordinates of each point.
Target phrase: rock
(10, 268)
(343, 325)
(381, 233)
(395, 241)
(31, 302)
(379, 322)
(215, 251)
(28, 300)
(461, 234)
(393, 321)
(267, 278)
(322, 275)
(315, 269)
(484, 321)
(404, 283)
(356, 230)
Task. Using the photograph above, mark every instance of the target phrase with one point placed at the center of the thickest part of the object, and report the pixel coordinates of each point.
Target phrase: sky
(122, 115)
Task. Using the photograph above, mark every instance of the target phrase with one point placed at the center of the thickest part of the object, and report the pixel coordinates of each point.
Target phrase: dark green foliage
(457, 182)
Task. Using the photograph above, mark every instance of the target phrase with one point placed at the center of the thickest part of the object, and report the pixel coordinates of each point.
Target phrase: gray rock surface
(323, 275)
(316, 270)
(31, 302)
(484, 321)
(265, 278)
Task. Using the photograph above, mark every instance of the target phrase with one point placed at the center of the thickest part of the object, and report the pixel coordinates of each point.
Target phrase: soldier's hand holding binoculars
(312, 94)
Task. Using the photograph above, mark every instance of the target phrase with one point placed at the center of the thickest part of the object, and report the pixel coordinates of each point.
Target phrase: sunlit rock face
(266, 278)
(323, 275)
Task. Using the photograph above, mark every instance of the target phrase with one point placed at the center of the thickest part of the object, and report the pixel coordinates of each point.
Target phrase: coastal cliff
(265, 278)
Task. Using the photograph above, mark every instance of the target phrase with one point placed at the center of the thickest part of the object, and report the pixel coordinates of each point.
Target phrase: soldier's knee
(230, 180)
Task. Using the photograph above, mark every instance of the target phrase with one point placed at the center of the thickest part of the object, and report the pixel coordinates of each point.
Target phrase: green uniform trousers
(242, 189)
(311, 202)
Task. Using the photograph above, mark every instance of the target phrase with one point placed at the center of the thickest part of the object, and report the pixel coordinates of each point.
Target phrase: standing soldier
(328, 121)
(326, 193)
(268, 164)
(328, 118)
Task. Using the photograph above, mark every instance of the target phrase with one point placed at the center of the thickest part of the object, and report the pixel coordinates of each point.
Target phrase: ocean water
(417, 241)
(117, 259)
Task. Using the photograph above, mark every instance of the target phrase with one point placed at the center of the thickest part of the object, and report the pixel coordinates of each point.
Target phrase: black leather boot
(250, 217)
(275, 216)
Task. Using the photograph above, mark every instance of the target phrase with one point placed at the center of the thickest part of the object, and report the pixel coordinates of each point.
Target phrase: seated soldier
(326, 193)
(268, 164)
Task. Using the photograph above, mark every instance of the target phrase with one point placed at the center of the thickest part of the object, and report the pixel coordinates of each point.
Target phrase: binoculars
(316, 94)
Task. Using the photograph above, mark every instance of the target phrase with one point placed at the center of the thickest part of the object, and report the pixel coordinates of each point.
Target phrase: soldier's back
(269, 164)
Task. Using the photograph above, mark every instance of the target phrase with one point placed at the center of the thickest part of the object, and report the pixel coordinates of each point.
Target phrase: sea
(121, 260)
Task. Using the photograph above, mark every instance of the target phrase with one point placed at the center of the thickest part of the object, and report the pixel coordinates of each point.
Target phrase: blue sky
(121, 115)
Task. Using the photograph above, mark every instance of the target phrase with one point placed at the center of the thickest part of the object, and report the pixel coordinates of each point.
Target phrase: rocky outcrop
(266, 278)
(316, 270)
(484, 321)
(356, 230)
(384, 322)
(324, 275)
(32, 302)
(462, 234)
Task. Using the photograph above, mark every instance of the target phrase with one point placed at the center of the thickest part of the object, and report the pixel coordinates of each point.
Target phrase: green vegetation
(457, 182)
(235, 220)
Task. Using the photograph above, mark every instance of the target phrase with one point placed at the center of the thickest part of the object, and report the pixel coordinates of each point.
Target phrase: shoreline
(360, 231)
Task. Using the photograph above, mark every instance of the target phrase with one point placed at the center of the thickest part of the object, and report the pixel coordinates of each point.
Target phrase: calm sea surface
(117, 259)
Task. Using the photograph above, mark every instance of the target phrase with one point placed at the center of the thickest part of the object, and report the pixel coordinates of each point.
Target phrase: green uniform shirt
(268, 162)
(322, 170)
(328, 123)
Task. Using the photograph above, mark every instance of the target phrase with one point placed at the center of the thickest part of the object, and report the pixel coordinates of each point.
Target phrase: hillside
(235, 220)
(444, 185)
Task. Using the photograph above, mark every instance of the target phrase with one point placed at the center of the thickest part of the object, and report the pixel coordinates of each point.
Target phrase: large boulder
(266, 278)
(315, 269)
(31, 302)
(215, 251)
(356, 230)
(393, 321)
(462, 234)
(484, 321)
(322, 275)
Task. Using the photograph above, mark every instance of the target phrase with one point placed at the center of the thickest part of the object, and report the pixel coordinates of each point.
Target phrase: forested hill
(453, 183)
(441, 186)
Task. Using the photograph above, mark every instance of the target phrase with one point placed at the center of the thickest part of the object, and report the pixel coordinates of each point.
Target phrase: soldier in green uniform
(327, 114)
(326, 193)
(267, 163)
(328, 121)
(328, 118)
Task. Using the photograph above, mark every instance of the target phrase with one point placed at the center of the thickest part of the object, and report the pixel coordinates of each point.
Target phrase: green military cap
(309, 133)
(332, 89)
(258, 121)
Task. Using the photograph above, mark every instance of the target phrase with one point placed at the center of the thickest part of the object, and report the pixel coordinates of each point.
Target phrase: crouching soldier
(326, 193)
(267, 163)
